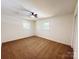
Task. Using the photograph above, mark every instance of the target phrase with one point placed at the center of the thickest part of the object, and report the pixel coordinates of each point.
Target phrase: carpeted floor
(35, 48)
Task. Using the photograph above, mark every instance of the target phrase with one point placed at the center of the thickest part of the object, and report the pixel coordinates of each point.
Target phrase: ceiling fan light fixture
(32, 16)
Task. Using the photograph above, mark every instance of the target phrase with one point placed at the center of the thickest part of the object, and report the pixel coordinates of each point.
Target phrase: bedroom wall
(15, 28)
(60, 29)
(75, 40)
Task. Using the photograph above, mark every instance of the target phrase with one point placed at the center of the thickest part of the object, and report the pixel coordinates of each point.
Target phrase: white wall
(75, 41)
(75, 36)
(12, 28)
(60, 29)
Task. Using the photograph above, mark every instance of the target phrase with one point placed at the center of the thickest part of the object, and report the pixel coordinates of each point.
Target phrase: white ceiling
(44, 8)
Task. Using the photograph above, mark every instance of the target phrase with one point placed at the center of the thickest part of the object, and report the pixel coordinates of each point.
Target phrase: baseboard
(36, 36)
(53, 40)
(17, 39)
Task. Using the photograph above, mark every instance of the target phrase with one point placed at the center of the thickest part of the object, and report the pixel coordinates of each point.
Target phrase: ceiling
(44, 8)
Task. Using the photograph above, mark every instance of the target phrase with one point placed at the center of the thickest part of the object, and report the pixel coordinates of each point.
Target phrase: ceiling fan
(35, 15)
(30, 13)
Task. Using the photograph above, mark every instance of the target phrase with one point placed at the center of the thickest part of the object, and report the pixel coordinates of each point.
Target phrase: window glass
(45, 25)
(26, 25)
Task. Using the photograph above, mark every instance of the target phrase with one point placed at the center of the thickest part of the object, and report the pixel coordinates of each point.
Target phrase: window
(45, 25)
(26, 25)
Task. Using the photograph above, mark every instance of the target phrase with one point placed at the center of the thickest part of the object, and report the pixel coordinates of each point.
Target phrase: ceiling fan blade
(30, 13)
